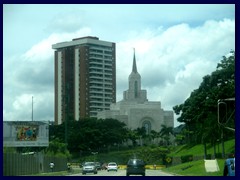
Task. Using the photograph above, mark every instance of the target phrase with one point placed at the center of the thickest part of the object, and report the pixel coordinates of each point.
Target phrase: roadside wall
(15, 164)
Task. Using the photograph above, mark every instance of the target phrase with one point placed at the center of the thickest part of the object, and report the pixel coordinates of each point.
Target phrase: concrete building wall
(137, 116)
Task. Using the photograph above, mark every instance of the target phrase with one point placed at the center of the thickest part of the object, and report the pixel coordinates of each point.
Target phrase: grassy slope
(197, 168)
(229, 147)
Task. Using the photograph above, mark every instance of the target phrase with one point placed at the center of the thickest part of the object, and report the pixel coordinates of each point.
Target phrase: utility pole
(32, 108)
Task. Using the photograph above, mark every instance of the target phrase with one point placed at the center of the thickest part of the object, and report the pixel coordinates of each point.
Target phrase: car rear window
(135, 162)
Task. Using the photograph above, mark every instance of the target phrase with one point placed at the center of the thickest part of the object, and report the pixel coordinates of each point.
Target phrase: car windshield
(112, 164)
(89, 164)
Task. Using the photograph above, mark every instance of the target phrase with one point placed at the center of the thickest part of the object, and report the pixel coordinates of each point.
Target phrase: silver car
(89, 167)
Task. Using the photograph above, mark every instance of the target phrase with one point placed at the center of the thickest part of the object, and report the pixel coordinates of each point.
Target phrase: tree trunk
(205, 150)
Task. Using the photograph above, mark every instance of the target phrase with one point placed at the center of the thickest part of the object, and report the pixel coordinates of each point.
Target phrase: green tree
(199, 111)
(166, 133)
(57, 148)
(153, 135)
(132, 135)
(90, 134)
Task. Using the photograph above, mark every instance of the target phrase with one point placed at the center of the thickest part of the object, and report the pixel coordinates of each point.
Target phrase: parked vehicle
(135, 166)
(229, 167)
(98, 165)
(112, 166)
(89, 167)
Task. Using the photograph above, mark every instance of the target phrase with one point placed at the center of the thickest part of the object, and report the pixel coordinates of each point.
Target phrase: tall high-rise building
(85, 78)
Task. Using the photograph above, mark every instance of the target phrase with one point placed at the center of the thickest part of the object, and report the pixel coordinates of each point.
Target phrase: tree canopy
(200, 111)
(89, 134)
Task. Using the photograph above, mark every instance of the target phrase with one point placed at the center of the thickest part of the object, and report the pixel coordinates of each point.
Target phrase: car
(229, 167)
(112, 166)
(89, 167)
(135, 167)
(98, 165)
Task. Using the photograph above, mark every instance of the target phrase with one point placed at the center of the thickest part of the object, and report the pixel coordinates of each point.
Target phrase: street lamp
(223, 119)
(222, 106)
(222, 112)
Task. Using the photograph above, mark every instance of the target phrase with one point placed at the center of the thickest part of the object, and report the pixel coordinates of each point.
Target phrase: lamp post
(223, 119)
(32, 108)
(222, 112)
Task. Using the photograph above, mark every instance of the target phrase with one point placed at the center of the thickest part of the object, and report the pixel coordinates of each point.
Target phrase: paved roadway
(121, 172)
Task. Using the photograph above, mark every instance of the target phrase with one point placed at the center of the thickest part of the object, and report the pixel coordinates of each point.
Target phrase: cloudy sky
(176, 45)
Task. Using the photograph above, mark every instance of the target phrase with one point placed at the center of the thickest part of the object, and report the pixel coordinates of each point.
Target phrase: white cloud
(70, 22)
(172, 62)
(43, 49)
(40, 104)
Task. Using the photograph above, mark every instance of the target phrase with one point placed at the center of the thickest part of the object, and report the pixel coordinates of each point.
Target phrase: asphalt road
(121, 172)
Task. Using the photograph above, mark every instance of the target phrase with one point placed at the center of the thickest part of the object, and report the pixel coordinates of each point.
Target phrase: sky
(175, 46)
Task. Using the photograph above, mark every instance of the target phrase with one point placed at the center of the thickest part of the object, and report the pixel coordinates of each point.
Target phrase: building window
(136, 89)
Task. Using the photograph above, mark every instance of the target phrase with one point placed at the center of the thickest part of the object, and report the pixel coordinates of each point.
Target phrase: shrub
(186, 158)
(209, 156)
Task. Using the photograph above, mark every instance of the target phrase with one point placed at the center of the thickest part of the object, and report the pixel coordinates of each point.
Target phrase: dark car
(135, 166)
(98, 165)
(229, 167)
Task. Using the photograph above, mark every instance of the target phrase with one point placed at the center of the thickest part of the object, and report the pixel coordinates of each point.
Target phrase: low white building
(135, 110)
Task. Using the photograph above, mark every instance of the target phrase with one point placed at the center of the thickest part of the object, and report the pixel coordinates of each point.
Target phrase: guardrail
(148, 166)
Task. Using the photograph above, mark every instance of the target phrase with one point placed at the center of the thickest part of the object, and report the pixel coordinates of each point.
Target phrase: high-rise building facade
(85, 78)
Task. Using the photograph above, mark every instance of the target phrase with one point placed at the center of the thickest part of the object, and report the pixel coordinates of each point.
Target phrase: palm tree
(165, 133)
(132, 135)
(141, 134)
(153, 135)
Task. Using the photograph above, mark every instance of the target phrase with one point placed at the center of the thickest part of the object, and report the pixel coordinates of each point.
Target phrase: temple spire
(134, 67)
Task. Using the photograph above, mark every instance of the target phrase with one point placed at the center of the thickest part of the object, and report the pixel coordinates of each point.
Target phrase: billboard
(25, 133)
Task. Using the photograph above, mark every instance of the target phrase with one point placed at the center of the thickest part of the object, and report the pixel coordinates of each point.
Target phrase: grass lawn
(199, 149)
(195, 168)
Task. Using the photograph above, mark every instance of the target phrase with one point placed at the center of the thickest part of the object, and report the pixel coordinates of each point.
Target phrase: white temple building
(135, 110)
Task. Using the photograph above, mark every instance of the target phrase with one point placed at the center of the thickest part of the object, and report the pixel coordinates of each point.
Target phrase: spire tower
(134, 67)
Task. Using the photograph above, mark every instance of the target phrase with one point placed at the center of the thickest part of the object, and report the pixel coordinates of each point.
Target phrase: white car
(112, 166)
(89, 167)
